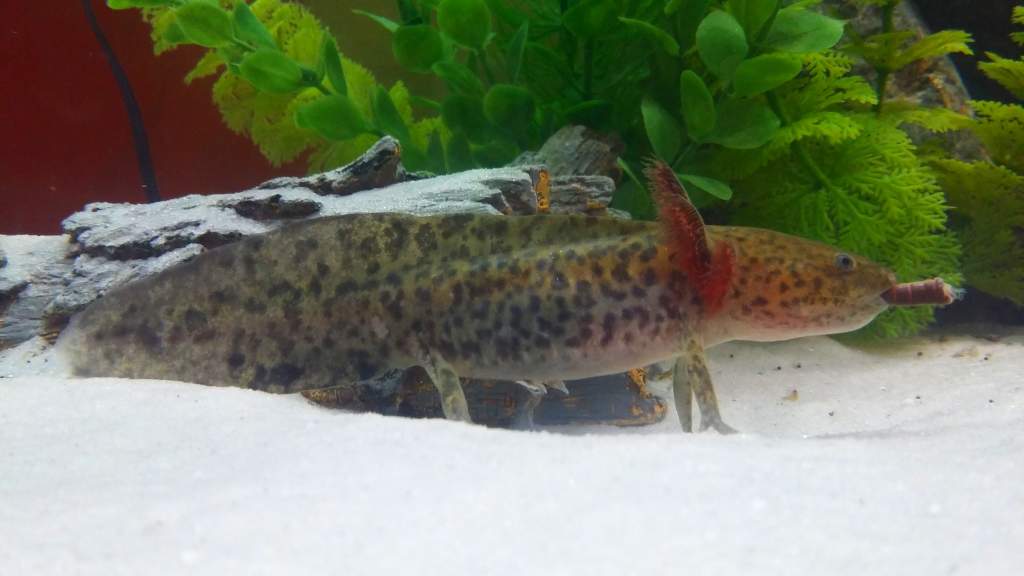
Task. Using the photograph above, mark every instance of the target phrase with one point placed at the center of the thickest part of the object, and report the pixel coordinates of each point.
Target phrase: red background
(65, 139)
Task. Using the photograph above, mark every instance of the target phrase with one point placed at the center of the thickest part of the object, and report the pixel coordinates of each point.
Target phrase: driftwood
(45, 280)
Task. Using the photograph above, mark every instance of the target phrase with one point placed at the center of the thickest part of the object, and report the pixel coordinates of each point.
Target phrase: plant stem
(884, 72)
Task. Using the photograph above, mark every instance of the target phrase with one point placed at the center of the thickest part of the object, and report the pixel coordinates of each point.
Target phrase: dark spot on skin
(372, 267)
(322, 269)
(315, 288)
(783, 287)
(621, 273)
(818, 283)
(254, 306)
(469, 349)
(650, 277)
(217, 296)
(450, 225)
(394, 305)
(195, 320)
(426, 238)
(613, 294)
(147, 337)
(283, 288)
(643, 317)
(608, 328)
(362, 362)
(638, 292)
(648, 254)
(285, 374)
(583, 297)
(423, 295)
(535, 304)
(564, 316)
(558, 281)
(345, 288)
(515, 313)
(447, 348)
(759, 301)
(481, 310)
(500, 227)
(398, 236)
(597, 270)
(259, 377)
(235, 360)
(573, 342)
(204, 336)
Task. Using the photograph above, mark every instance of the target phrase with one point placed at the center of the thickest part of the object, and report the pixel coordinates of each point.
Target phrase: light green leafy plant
(281, 82)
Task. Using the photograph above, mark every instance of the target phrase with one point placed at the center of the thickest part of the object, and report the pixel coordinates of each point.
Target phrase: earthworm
(934, 291)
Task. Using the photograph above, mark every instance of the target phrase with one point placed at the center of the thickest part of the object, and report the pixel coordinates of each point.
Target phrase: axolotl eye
(845, 262)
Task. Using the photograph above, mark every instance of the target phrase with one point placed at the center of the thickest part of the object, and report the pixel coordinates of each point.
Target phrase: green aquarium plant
(281, 81)
(989, 194)
(754, 103)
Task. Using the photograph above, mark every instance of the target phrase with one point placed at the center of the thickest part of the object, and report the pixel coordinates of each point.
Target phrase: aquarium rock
(33, 275)
(378, 167)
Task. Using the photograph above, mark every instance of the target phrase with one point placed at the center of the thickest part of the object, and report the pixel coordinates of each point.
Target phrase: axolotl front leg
(691, 378)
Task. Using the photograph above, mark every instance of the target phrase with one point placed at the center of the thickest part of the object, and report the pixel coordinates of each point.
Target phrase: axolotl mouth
(925, 292)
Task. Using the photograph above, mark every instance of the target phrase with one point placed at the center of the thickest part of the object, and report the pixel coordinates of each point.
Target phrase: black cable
(131, 105)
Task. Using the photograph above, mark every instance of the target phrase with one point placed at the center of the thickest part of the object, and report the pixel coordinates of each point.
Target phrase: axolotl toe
(331, 302)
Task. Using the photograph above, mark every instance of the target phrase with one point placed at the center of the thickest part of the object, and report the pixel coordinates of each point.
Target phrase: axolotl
(331, 302)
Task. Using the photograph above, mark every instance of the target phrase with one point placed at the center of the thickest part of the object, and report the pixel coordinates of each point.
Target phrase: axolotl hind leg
(446, 380)
(691, 376)
(537, 391)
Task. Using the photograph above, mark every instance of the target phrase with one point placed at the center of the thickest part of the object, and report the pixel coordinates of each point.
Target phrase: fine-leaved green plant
(989, 194)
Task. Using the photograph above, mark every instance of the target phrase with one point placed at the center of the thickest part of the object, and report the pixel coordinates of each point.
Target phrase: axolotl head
(783, 287)
(757, 284)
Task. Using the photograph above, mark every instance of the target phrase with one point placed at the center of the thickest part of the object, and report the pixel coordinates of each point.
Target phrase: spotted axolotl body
(334, 301)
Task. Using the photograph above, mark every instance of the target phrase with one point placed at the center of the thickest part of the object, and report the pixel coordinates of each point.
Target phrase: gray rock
(34, 274)
(577, 150)
(581, 194)
(138, 231)
(378, 167)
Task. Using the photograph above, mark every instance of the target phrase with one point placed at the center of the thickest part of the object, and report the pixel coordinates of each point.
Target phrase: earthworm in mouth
(934, 291)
